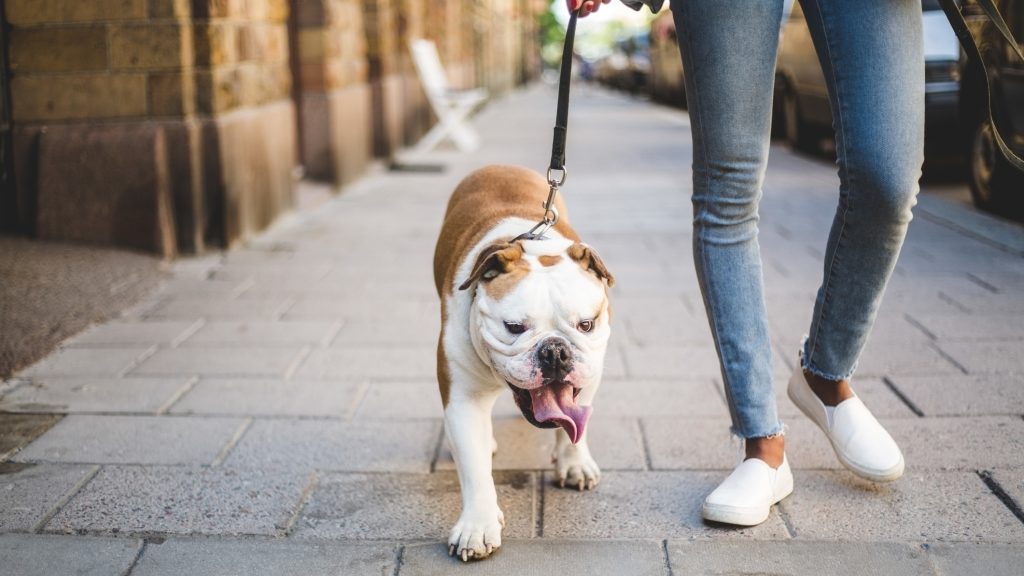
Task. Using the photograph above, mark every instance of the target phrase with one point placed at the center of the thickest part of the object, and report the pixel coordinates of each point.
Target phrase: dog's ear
(494, 260)
(589, 260)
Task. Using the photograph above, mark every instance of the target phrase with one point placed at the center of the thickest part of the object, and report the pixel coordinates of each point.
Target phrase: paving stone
(374, 309)
(695, 398)
(684, 362)
(260, 334)
(258, 397)
(615, 443)
(220, 308)
(796, 558)
(891, 359)
(644, 505)
(264, 557)
(84, 362)
(92, 439)
(394, 362)
(46, 555)
(666, 329)
(988, 303)
(183, 500)
(970, 558)
(547, 556)
(406, 506)
(417, 330)
(127, 333)
(19, 430)
(964, 326)
(366, 446)
(986, 357)
(64, 394)
(401, 400)
(29, 491)
(921, 506)
(220, 362)
(961, 395)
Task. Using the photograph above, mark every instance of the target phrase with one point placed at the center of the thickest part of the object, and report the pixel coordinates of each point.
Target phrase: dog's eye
(585, 326)
(515, 327)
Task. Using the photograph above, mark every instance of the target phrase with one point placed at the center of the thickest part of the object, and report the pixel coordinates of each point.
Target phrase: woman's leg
(728, 50)
(872, 57)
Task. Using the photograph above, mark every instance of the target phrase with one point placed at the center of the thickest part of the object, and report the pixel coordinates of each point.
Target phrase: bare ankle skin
(830, 392)
(770, 450)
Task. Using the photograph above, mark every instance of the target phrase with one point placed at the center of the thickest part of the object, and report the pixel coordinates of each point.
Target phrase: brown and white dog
(530, 315)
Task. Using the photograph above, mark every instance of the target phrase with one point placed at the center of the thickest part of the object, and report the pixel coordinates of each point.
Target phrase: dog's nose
(555, 358)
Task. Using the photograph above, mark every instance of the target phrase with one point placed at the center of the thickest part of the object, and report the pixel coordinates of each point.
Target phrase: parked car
(802, 113)
(995, 185)
(666, 81)
(628, 66)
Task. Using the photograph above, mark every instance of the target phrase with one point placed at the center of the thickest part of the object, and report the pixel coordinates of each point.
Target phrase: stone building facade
(172, 126)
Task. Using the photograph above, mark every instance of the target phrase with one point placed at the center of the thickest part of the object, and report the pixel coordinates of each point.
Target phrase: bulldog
(527, 315)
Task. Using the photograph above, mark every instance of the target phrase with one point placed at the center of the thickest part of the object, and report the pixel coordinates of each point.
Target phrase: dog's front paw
(477, 533)
(575, 467)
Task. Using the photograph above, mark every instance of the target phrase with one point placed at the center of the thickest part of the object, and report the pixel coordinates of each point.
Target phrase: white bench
(452, 107)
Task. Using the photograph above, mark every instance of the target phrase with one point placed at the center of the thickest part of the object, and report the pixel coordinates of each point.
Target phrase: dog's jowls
(530, 315)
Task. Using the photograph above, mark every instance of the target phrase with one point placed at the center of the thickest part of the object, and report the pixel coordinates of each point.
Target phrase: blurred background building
(172, 126)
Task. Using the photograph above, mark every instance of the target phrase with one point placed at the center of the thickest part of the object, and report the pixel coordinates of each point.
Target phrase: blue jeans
(872, 56)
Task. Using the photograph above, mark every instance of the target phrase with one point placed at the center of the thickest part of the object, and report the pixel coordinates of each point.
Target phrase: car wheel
(799, 133)
(996, 186)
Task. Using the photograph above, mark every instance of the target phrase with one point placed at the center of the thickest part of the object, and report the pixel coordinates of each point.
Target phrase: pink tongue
(554, 402)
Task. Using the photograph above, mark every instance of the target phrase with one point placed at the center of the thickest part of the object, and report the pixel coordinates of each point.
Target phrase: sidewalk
(273, 410)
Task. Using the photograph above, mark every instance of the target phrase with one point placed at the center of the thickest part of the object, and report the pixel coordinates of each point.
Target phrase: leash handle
(562, 114)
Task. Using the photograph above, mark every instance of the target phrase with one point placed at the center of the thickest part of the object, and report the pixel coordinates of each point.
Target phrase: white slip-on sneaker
(859, 441)
(746, 497)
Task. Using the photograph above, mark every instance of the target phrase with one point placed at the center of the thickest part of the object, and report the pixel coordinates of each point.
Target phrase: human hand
(589, 6)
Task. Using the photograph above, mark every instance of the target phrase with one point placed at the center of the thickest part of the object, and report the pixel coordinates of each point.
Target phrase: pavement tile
(986, 357)
(416, 330)
(383, 362)
(275, 397)
(615, 444)
(183, 500)
(695, 398)
(192, 307)
(90, 439)
(962, 395)
(684, 362)
(644, 505)
(796, 558)
(406, 506)
(65, 394)
(128, 333)
(46, 555)
(29, 491)
(1008, 302)
(921, 506)
(260, 334)
(971, 558)
(884, 358)
(264, 557)
(84, 362)
(397, 400)
(373, 309)
(547, 556)
(365, 446)
(965, 326)
(1011, 481)
(219, 362)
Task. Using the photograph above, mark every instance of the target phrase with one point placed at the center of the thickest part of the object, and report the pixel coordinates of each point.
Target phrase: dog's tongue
(554, 403)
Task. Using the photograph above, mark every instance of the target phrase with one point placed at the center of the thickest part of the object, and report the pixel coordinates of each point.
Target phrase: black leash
(956, 20)
(556, 169)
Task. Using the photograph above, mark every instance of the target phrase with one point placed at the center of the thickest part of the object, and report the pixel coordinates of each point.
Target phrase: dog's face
(540, 320)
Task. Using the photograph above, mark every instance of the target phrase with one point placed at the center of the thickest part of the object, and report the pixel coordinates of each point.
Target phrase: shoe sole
(889, 475)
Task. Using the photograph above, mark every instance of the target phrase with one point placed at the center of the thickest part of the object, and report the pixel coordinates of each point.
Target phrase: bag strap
(956, 20)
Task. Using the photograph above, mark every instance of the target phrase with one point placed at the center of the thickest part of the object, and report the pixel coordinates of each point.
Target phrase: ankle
(830, 392)
(771, 450)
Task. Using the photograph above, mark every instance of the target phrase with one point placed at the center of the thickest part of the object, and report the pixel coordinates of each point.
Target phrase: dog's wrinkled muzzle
(554, 405)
